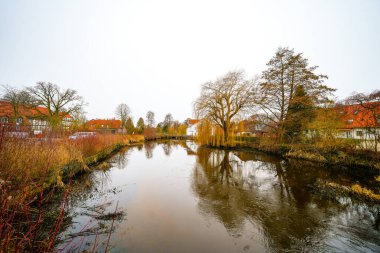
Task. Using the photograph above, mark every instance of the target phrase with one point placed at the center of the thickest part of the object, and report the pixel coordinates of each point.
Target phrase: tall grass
(31, 173)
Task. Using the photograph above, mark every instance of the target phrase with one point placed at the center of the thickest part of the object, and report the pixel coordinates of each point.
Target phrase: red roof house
(359, 122)
(104, 125)
(29, 116)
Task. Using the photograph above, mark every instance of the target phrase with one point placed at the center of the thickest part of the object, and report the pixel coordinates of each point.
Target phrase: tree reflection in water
(263, 202)
(121, 159)
(273, 194)
(167, 147)
(148, 147)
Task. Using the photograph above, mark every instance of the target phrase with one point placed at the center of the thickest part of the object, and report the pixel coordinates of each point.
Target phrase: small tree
(167, 123)
(159, 128)
(150, 119)
(59, 102)
(129, 126)
(140, 126)
(300, 114)
(122, 112)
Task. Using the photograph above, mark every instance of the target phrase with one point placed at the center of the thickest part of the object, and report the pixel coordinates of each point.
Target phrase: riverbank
(341, 155)
(33, 172)
(358, 162)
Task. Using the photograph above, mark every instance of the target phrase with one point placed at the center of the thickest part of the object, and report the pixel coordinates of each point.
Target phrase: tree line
(287, 99)
(148, 126)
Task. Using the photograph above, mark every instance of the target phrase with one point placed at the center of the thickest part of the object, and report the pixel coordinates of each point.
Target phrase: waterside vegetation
(33, 172)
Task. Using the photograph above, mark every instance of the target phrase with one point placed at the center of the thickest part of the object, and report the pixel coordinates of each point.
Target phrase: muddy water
(176, 197)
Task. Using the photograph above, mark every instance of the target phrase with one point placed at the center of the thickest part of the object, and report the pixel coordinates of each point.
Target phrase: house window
(359, 133)
(19, 121)
(4, 120)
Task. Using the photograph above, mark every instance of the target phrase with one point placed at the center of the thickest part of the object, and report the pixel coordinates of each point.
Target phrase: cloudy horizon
(154, 55)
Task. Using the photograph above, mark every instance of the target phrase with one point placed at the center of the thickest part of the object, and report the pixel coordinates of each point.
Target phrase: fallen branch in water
(113, 220)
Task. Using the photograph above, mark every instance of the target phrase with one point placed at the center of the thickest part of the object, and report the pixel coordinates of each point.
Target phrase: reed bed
(31, 175)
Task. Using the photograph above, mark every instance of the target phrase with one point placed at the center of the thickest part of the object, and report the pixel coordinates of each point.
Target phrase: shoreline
(329, 189)
(310, 153)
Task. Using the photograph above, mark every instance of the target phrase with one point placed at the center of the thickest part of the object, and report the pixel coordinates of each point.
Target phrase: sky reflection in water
(176, 197)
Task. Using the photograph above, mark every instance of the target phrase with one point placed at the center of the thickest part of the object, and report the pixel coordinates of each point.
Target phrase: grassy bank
(334, 191)
(334, 155)
(338, 152)
(26, 163)
(32, 171)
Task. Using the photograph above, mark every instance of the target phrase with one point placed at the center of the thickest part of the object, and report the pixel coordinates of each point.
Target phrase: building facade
(359, 123)
(112, 126)
(34, 118)
(192, 127)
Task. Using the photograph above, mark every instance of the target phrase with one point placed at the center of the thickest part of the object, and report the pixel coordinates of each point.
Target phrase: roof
(6, 109)
(192, 121)
(356, 116)
(104, 124)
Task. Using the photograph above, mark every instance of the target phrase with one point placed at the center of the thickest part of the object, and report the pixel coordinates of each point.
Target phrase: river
(174, 196)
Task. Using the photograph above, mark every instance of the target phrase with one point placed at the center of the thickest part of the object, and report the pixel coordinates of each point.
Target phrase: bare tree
(368, 110)
(59, 102)
(224, 99)
(17, 98)
(150, 119)
(122, 112)
(286, 71)
(79, 119)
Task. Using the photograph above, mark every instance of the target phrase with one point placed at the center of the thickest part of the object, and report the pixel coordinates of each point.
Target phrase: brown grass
(307, 155)
(356, 190)
(29, 169)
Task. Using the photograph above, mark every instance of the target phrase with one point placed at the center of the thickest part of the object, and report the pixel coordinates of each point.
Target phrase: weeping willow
(213, 135)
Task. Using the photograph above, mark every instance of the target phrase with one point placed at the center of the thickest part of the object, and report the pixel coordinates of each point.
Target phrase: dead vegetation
(32, 172)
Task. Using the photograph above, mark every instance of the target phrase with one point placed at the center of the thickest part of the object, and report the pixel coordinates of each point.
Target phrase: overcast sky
(154, 55)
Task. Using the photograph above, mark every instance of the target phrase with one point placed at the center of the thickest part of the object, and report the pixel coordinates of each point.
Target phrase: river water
(173, 196)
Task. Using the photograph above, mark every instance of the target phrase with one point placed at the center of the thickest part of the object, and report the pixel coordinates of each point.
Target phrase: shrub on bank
(307, 155)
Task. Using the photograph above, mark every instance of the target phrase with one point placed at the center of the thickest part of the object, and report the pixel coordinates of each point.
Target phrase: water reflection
(121, 159)
(167, 147)
(148, 147)
(186, 198)
(91, 213)
(273, 194)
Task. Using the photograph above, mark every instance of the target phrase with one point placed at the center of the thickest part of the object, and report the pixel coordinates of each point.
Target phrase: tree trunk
(225, 131)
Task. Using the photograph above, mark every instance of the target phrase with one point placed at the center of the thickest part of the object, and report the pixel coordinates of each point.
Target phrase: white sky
(154, 55)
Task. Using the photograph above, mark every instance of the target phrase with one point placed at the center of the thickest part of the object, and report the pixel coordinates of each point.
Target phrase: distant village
(32, 122)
